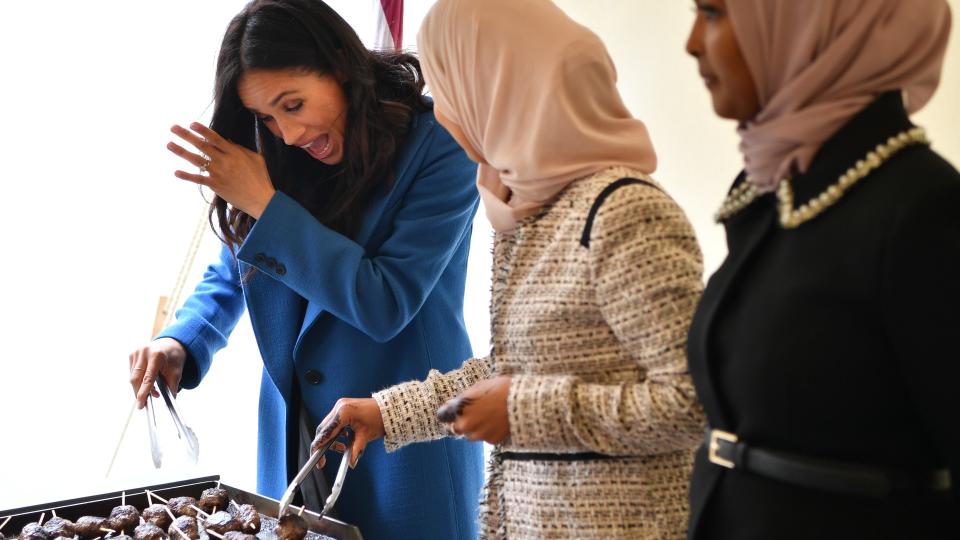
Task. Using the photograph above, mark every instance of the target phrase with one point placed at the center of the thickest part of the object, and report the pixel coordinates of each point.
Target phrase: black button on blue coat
(313, 377)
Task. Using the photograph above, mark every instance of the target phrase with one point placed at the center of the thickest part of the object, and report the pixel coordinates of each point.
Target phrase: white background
(95, 226)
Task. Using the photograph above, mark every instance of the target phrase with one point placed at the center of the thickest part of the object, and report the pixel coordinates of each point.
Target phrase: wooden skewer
(40, 521)
(170, 512)
(199, 510)
(4, 524)
(159, 498)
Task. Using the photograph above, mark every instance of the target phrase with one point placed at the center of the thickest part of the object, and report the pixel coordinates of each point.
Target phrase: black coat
(838, 340)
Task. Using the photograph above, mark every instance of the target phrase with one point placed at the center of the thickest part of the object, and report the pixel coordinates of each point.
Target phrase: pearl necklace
(791, 218)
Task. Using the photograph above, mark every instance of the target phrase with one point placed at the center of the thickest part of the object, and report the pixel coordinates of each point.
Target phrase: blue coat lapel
(374, 214)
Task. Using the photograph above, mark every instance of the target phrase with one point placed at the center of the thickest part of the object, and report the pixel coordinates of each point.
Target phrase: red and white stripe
(389, 25)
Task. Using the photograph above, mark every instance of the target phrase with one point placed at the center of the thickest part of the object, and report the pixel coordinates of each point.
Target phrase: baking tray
(325, 528)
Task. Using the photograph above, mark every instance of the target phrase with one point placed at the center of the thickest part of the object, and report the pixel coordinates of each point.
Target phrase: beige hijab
(817, 63)
(534, 93)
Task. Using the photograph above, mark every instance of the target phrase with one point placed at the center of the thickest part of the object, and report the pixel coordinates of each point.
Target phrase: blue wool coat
(345, 317)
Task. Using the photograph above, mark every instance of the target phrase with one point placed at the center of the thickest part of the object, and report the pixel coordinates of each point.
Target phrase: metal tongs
(184, 432)
(308, 468)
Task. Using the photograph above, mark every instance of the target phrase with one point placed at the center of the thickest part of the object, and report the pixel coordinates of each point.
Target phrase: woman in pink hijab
(585, 392)
(824, 349)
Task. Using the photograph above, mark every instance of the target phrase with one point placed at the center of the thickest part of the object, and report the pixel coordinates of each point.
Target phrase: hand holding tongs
(184, 432)
(308, 468)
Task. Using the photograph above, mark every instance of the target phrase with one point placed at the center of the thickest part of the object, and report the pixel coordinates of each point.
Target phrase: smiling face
(303, 108)
(713, 43)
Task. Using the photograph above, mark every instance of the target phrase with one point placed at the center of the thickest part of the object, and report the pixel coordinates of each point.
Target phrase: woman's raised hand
(162, 357)
(363, 417)
(235, 173)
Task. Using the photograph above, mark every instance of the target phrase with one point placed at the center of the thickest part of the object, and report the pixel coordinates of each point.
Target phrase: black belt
(725, 450)
(535, 456)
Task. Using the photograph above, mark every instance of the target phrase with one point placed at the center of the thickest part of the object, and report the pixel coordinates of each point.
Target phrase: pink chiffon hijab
(817, 63)
(534, 93)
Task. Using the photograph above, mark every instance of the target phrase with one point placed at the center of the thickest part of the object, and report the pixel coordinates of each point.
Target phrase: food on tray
(181, 506)
(249, 518)
(149, 531)
(221, 522)
(57, 526)
(157, 514)
(123, 519)
(88, 527)
(33, 531)
(188, 525)
(291, 527)
(213, 499)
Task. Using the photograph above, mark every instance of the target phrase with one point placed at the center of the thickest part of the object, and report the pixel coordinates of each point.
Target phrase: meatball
(249, 518)
(181, 506)
(88, 527)
(57, 526)
(124, 519)
(213, 499)
(221, 522)
(234, 535)
(33, 531)
(157, 514)
(187, 525)
(291, 527)
(149, 531)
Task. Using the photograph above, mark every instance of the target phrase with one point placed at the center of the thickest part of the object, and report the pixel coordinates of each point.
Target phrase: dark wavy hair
(384, 90)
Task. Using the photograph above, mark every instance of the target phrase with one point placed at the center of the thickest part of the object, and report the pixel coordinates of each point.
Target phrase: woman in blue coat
(345, 212)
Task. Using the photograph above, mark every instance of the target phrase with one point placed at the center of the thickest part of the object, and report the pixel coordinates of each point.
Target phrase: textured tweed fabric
(594, 340)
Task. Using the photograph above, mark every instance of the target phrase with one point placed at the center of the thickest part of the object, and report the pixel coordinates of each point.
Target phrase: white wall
(95, 225)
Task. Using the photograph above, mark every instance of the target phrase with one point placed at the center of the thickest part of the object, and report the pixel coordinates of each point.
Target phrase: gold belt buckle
(716, 436)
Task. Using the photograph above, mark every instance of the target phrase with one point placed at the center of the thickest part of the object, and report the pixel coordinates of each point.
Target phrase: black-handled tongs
(308, 467)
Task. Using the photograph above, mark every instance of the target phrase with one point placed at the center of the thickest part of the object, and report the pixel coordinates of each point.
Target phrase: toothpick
(4, 524)
(214, 534)
(214, 511)
(233, 502)
(108, 531)
(54, 512)
(98, 538)
(123, 498)
(218, 484)
(40, 521)
(199, 510)
(170, 513)
(149, 498)
(159, 498)
(300, 513)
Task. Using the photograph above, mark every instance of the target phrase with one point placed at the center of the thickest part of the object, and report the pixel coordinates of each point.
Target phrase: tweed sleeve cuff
(409, 410)
(539, 408)
(408, 415)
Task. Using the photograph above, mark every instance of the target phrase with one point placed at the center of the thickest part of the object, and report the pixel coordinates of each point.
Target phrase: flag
(389, 25)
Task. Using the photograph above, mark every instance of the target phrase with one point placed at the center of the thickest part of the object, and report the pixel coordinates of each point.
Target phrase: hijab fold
(817, 63)
(534, 93)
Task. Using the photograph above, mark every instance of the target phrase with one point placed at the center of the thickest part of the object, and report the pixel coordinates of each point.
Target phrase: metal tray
(100, 505)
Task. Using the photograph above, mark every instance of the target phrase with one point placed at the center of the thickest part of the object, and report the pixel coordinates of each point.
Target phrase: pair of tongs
(308, 468)
(184, 432)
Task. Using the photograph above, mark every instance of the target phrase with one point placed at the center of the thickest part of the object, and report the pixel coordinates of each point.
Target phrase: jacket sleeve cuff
(409, 415)
(539, 408)
(188, 332)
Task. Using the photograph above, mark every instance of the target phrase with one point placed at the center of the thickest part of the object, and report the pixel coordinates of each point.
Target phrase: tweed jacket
(836, 341)
(603, 417)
